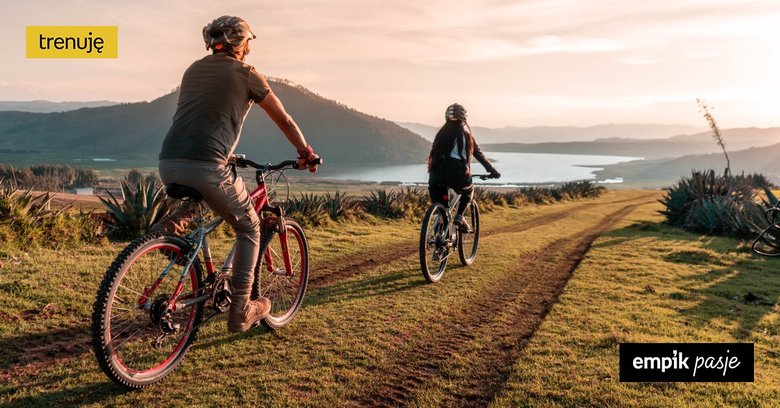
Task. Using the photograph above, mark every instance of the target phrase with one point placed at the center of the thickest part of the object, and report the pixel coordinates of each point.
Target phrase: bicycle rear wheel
(434, 247)
(468, 241)
(137, 338)
(286, 291)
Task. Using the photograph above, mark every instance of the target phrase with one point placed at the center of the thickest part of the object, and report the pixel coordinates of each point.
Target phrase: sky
(511, 63)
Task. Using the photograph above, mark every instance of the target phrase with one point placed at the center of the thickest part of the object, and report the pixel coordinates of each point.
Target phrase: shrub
(142, 206)
(25, 218)
(381, 203)
(411, 203)
(341, 206)
(307, 209)
(715, 204)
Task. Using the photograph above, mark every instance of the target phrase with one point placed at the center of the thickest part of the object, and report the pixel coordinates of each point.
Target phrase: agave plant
(381, 203)
(22, 206)
(307, 209)
(717, 204)
(341, 206)
(141, 207)
(25, 218)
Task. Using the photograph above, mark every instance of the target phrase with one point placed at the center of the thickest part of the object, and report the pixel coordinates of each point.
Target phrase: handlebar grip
(316, 162)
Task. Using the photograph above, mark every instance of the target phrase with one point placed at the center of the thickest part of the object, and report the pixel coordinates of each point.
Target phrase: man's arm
(273, 107)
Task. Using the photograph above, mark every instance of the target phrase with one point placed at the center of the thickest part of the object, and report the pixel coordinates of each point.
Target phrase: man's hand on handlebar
(495, 174)
(307, 158)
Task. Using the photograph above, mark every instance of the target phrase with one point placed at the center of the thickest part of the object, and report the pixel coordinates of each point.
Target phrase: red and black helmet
(456, 112)
(229, 31)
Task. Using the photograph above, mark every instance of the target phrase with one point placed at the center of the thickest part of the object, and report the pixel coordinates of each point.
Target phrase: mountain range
(764, 160)
(676, 146)
(41, 106)
(136, 130)
(547, 134)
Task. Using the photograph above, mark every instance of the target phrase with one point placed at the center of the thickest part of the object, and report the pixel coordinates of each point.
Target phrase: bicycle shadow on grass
(44, 346)
(734, 287)
(378, 285)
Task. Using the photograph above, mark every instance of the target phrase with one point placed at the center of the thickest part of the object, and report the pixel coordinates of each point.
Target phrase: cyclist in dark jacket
(449, 162)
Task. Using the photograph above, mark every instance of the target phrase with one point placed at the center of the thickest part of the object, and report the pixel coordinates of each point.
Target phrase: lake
(515, 168)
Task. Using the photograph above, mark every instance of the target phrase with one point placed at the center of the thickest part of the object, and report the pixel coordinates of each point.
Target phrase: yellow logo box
(72, 42)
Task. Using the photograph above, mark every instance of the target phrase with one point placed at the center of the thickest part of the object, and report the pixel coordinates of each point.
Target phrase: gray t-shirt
(215, 96)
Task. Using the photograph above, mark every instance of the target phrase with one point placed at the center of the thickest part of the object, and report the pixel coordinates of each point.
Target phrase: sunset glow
(512, 63)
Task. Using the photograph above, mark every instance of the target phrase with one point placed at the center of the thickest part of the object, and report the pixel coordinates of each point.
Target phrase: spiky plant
(26, 219)
(307, 209)
(142, 206)
(381, 203)
(342, 207)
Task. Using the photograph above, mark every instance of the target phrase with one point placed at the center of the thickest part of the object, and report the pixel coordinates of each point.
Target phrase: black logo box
(676, 362)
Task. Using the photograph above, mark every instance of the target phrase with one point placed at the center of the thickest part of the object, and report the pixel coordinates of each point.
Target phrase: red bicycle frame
(261, 203)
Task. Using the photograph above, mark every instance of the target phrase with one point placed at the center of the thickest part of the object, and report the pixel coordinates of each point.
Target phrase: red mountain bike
(152, 299)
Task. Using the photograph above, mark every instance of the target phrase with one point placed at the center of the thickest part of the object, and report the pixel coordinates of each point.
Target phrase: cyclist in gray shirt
(215, 96)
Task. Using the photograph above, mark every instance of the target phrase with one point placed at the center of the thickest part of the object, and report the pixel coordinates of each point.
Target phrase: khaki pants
(226, 195)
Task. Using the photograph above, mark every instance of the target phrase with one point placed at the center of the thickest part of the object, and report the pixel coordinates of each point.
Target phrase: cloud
(640, 60)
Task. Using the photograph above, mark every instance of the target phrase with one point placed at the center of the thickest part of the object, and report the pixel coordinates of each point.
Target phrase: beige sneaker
(243, 314)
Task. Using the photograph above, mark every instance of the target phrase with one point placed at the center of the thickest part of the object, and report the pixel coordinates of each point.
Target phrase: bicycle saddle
(182, 192)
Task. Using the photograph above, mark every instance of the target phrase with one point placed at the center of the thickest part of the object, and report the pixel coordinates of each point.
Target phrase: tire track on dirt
(340, 269)
(547, 271)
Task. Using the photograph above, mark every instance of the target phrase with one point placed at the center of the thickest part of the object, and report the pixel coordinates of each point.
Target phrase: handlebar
(243, 162)
(483, 176)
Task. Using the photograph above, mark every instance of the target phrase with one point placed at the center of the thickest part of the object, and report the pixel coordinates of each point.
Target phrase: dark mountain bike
(439, 236)
(152, 300)
(767, 243)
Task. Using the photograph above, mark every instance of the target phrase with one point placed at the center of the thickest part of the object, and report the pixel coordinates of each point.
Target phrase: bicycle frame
(199, 239)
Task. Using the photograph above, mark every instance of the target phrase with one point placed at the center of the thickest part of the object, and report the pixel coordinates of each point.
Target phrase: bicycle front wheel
(434, 243)
(272, 279)
(468, 241)
(138, 338)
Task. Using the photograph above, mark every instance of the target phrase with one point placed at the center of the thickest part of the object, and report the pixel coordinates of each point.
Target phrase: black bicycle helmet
(456, 112)
(230, 31)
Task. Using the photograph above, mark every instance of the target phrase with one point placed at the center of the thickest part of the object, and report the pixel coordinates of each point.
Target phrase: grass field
(535, 321)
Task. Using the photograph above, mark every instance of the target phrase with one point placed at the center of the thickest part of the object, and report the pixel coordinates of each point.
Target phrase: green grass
(359, 336)
(648, 282)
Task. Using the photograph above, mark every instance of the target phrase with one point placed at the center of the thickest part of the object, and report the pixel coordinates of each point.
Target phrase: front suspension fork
(281, 228)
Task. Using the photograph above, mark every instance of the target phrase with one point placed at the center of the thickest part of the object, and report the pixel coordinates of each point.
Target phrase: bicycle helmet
(227, 32)
(456, 112)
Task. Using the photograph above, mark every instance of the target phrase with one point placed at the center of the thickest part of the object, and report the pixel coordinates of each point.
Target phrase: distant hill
(764, 160)
(136, 130)
(48, 106)
(699, 143)
(546, 134)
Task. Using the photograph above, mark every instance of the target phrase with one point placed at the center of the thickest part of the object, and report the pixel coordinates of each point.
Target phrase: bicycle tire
(102, 334)
(468, 255)
(284, 307)
(430, 245)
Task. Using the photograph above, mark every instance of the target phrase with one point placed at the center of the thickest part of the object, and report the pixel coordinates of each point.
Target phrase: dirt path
(343, 268)
(27, 354)
(520, 304)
